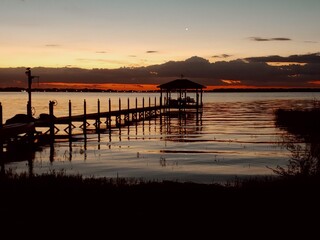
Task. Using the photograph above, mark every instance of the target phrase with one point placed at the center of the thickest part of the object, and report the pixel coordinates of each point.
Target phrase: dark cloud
(250, 71)
(259, 39)
(152, 51)
(222, 56)
(133, 56)
(306, 58)
(102, 52)
(280, 39)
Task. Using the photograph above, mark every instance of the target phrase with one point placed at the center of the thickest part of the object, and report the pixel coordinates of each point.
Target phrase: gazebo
(184, 88)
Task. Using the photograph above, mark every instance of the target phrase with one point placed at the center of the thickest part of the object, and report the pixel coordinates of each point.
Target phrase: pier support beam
(98, 122)
(1, 143)
(70, 120)
(108, 119)
(84, 119)
(118, 117)
(52, 130)
(127, 115)
(1, 117)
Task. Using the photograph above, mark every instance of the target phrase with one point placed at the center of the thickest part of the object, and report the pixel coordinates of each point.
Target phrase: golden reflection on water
(234, 136)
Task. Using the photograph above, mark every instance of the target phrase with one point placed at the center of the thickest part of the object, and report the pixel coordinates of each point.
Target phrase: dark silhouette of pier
(110, 119)
(24, 128)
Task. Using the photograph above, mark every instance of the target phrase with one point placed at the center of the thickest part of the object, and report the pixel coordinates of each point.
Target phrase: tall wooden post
(136, 113)
(143, 113)
(98, 123)
(28, 73)
(136, 116)
(30, 77)
(1, 116)
(84, 118)
(109, 119)
(98, 117)
(51, 104)
(128, 116)
(155, 106)
(70, 120)
(143, 116)
(1, 144)
(119, 116)
(160, 101)
(150, 112)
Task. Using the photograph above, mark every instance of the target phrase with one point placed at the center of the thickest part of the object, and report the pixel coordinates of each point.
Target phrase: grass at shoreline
(56, 185)
(74, 203)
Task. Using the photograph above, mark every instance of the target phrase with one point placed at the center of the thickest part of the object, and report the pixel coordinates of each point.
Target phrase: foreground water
(235, 136)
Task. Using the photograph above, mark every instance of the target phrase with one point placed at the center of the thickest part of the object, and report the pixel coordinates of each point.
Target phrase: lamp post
(30, 77)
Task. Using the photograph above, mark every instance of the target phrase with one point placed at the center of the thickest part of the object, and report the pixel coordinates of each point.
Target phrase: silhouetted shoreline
(71, 200)
(16, 89)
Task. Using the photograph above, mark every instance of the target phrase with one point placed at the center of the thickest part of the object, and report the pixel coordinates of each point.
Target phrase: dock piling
(84, 118)
(127, 115)
(143, 113)
(1, 123)
(52, 130)
(97, 123)
(70, 119)
(1, 117)
(135, 114)
(138, 114)
(118, 117)
(108, 120)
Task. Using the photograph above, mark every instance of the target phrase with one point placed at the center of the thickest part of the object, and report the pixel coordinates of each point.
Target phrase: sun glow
(317, 82)
(101, 86)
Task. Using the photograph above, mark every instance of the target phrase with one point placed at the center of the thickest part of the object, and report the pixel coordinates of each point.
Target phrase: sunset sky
(111, 34)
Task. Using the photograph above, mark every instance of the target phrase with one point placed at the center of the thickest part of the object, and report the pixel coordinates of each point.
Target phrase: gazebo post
(197, 98)
(201, 97)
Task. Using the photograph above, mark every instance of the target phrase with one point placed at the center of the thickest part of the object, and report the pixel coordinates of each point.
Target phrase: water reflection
(226, 139)
(19, 152)
(169, 127)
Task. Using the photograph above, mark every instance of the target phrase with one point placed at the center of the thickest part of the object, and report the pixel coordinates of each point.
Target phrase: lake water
(235, 136)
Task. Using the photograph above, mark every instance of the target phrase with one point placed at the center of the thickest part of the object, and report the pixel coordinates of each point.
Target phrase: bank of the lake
(56, 202)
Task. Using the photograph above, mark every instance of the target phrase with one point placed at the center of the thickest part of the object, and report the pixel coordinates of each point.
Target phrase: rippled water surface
(234, 136)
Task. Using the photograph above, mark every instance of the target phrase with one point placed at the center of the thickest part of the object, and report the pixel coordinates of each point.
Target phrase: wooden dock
(53, 127)
(110, 119)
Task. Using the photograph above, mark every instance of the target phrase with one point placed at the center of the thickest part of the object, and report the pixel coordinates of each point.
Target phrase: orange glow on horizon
(102, 86)
(147, 87)
(317, 82)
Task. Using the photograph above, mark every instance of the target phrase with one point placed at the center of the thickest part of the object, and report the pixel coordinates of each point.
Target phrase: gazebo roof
(181, 84)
